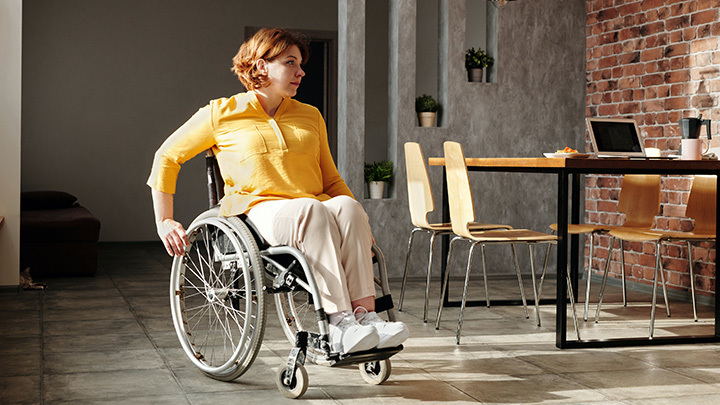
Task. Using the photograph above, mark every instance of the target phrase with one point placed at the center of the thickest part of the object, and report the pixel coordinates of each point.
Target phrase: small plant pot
(376, 189)
(475, 75)
(427, 119)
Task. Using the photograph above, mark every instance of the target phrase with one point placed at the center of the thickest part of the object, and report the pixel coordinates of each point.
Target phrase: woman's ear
(261, 66)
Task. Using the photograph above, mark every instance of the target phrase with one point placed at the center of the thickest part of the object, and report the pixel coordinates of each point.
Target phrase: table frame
(569, 172)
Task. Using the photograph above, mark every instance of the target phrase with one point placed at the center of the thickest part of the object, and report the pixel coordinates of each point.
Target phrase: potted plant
(475, 62)
(376, 175)
(426, 107)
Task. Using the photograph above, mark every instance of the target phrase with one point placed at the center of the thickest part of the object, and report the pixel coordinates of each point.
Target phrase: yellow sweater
(260, 158)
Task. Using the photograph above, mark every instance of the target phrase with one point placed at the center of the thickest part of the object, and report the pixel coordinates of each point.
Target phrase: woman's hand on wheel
(173, 236)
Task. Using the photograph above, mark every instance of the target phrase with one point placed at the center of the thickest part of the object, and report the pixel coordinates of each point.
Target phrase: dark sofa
(58, 237)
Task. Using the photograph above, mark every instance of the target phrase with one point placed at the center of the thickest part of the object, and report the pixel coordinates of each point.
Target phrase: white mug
(693, 149)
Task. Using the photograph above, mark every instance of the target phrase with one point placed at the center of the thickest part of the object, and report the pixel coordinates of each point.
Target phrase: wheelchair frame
(218, 290)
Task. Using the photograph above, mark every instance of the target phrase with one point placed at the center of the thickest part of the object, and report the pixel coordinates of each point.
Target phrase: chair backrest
(420, 199)
(701, 204)
(640, 199)
(460, 198)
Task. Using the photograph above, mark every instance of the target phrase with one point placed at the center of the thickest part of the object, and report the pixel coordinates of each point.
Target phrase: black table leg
(562, 250)
(717, 257)
(575, 239)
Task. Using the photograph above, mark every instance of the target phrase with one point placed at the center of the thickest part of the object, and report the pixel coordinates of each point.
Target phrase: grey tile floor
(109, 339)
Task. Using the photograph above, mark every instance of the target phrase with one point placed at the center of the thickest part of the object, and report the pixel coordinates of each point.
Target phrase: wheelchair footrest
(339, 360)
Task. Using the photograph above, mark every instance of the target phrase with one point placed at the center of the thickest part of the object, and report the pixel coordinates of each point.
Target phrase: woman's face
(284, 73)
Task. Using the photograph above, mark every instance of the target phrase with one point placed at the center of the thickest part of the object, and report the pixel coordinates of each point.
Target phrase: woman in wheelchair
(275, 161)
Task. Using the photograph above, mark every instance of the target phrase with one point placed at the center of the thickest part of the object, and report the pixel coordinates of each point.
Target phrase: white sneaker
(391, 333)
(349, 336)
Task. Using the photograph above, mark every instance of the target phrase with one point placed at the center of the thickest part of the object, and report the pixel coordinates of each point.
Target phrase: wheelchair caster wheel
(375, 372)
(299, 383)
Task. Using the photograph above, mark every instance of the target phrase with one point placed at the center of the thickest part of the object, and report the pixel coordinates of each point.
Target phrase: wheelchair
(219, 291)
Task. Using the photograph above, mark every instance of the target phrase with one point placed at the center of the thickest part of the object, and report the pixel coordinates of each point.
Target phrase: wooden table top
(589, 163)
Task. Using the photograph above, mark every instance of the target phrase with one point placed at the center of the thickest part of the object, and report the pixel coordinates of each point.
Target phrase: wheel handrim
(211, 283)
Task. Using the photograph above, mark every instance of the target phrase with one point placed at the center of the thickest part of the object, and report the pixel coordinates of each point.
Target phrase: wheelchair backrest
(215, 181)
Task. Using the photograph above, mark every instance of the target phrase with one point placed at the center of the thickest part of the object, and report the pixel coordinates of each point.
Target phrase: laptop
(615, 137)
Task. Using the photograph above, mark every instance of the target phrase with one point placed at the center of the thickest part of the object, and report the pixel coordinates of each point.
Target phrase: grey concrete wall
(376, 83)
(536, 105)
(105, 82)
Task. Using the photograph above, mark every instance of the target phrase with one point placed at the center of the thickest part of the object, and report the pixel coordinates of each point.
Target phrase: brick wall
(655, 61)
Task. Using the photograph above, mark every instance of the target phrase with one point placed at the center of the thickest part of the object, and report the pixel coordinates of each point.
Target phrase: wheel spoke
(218, 318)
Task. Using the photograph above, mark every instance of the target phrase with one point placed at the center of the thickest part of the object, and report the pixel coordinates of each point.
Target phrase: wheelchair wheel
(299, 383)
(375, 372)
(217, 297)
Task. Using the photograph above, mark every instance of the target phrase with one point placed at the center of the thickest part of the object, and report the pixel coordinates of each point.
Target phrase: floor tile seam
(165, 361)
(678, 371)
(438, 379)
(674, 370)
(606, 393)
(567, 376)
(138, 335)
(95, 333)
(105, 371)
(458, 389)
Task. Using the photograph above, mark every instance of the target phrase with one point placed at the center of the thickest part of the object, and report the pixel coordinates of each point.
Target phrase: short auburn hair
(268, 44)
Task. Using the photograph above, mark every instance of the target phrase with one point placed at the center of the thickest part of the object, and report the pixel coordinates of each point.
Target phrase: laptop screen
(615, 137)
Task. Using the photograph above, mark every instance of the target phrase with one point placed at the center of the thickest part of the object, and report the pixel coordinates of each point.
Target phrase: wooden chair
(639, 200)
(421, 204)
(700, 207)
(462, 213)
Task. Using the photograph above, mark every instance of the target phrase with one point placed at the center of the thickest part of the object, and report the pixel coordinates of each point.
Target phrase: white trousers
(335, 238)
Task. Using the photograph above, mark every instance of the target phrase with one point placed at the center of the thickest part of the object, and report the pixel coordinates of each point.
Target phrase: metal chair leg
(692, 280)
(407, 264)
(545, 265)
(445, 283)
(604, 281)
(429, 276)
(485, 280)
(534, 285)
(654, 291)
(664, 287)
(464, 295)
(520, 283)
(589, 274)
(570, 289)
(572, 305)
(622, 270)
